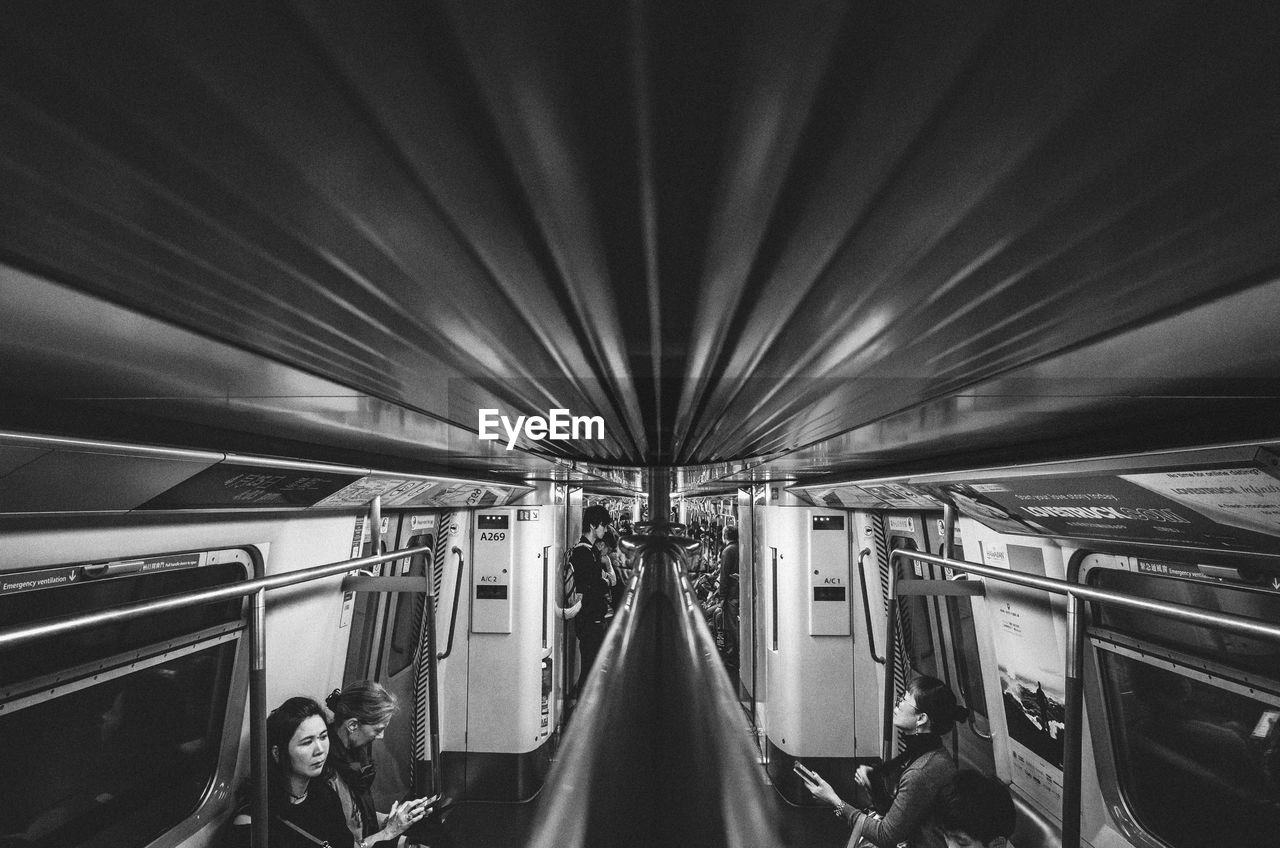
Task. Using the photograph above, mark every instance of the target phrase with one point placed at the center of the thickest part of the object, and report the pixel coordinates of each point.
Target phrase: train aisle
(493, 825)
(659, 751)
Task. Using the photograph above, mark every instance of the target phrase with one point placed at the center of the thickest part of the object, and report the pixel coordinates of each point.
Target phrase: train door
(962, 657)
(368, 609)
(400, 667)
(382, 642)
(917, 613)
(936, 628)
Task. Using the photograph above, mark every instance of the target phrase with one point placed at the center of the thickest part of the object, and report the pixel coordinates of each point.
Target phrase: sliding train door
(938, 625)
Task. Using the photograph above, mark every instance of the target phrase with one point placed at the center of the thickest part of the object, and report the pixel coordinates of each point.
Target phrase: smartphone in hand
(804, 771)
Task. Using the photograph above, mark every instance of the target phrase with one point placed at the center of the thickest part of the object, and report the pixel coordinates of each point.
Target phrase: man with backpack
(592, 580)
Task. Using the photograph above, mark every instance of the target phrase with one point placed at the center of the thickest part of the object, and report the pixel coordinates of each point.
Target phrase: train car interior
(898, 341)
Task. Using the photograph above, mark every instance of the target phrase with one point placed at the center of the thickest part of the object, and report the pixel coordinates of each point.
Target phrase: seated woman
(302, 805)
(906, 789)
(361, 712)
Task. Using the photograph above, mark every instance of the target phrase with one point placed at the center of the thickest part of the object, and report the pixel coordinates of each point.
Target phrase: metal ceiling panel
(831, 236)
(95, 481)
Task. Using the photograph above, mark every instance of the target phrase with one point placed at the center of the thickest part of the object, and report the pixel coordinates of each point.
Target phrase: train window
(917, 637)
(117, 763)
(92, 645)
(1194, 712)
(1252, 655)
(113, 733)
(964, 636)
(408, 614)
(1199, 764)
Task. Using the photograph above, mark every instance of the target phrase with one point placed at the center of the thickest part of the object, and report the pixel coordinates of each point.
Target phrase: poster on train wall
(1223, 508)
(867, 496)
(1032, 677)
(400, 492)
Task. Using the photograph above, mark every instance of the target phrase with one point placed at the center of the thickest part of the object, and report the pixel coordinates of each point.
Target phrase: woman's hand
(863, 777)
(607, 573)
(820, 789)
(405, 815)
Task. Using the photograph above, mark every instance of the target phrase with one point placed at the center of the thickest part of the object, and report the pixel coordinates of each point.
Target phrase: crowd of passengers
(320, 774)
(321, 770)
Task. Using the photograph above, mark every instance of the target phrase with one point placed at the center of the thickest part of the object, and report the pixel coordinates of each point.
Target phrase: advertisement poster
(1032, 677)
(1223, 508)
(867, 496)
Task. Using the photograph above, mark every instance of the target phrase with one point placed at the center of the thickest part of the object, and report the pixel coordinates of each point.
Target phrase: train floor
(486, 825)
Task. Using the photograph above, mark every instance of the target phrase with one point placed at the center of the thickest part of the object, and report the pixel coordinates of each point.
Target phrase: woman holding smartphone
(904, 791)
(361, 712)
(302, 804)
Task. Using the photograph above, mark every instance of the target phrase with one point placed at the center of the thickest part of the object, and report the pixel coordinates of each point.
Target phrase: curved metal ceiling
(734, 229)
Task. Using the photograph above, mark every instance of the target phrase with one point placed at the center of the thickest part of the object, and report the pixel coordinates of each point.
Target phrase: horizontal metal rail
(1225, 621)
(24, 633)
(1074, 664)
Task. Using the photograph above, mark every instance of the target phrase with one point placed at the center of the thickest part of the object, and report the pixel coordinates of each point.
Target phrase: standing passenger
(613, 561)
(592, 582)
(906, 789)
(728, 591)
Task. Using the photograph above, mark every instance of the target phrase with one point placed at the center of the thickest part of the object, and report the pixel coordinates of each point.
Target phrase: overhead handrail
(1075, 592)
(1236, 623)
(32, 632)
(866, 606)
(457, 593)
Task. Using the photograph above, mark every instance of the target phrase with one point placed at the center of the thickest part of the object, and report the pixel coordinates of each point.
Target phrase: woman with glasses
(904, 791)
(302, 804)
(361, 712)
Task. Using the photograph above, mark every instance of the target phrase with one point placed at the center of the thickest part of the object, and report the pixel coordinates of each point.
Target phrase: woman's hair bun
(961, 714)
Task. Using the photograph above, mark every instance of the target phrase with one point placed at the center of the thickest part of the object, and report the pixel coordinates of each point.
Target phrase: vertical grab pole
(948, 552)
(948, 530)
(433, 688)
(890, 660)
(1074, 731)
(258, 717)
(375, 529)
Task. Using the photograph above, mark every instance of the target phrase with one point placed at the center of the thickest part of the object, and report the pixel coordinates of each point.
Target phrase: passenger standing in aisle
(592, 582)
(613, 561)
(906, 790)
(728, 591)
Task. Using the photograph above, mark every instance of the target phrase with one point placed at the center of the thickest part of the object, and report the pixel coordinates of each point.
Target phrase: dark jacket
(728, 590)
(320, 815)
(588, 580)
(356, 771)
(907, 790)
